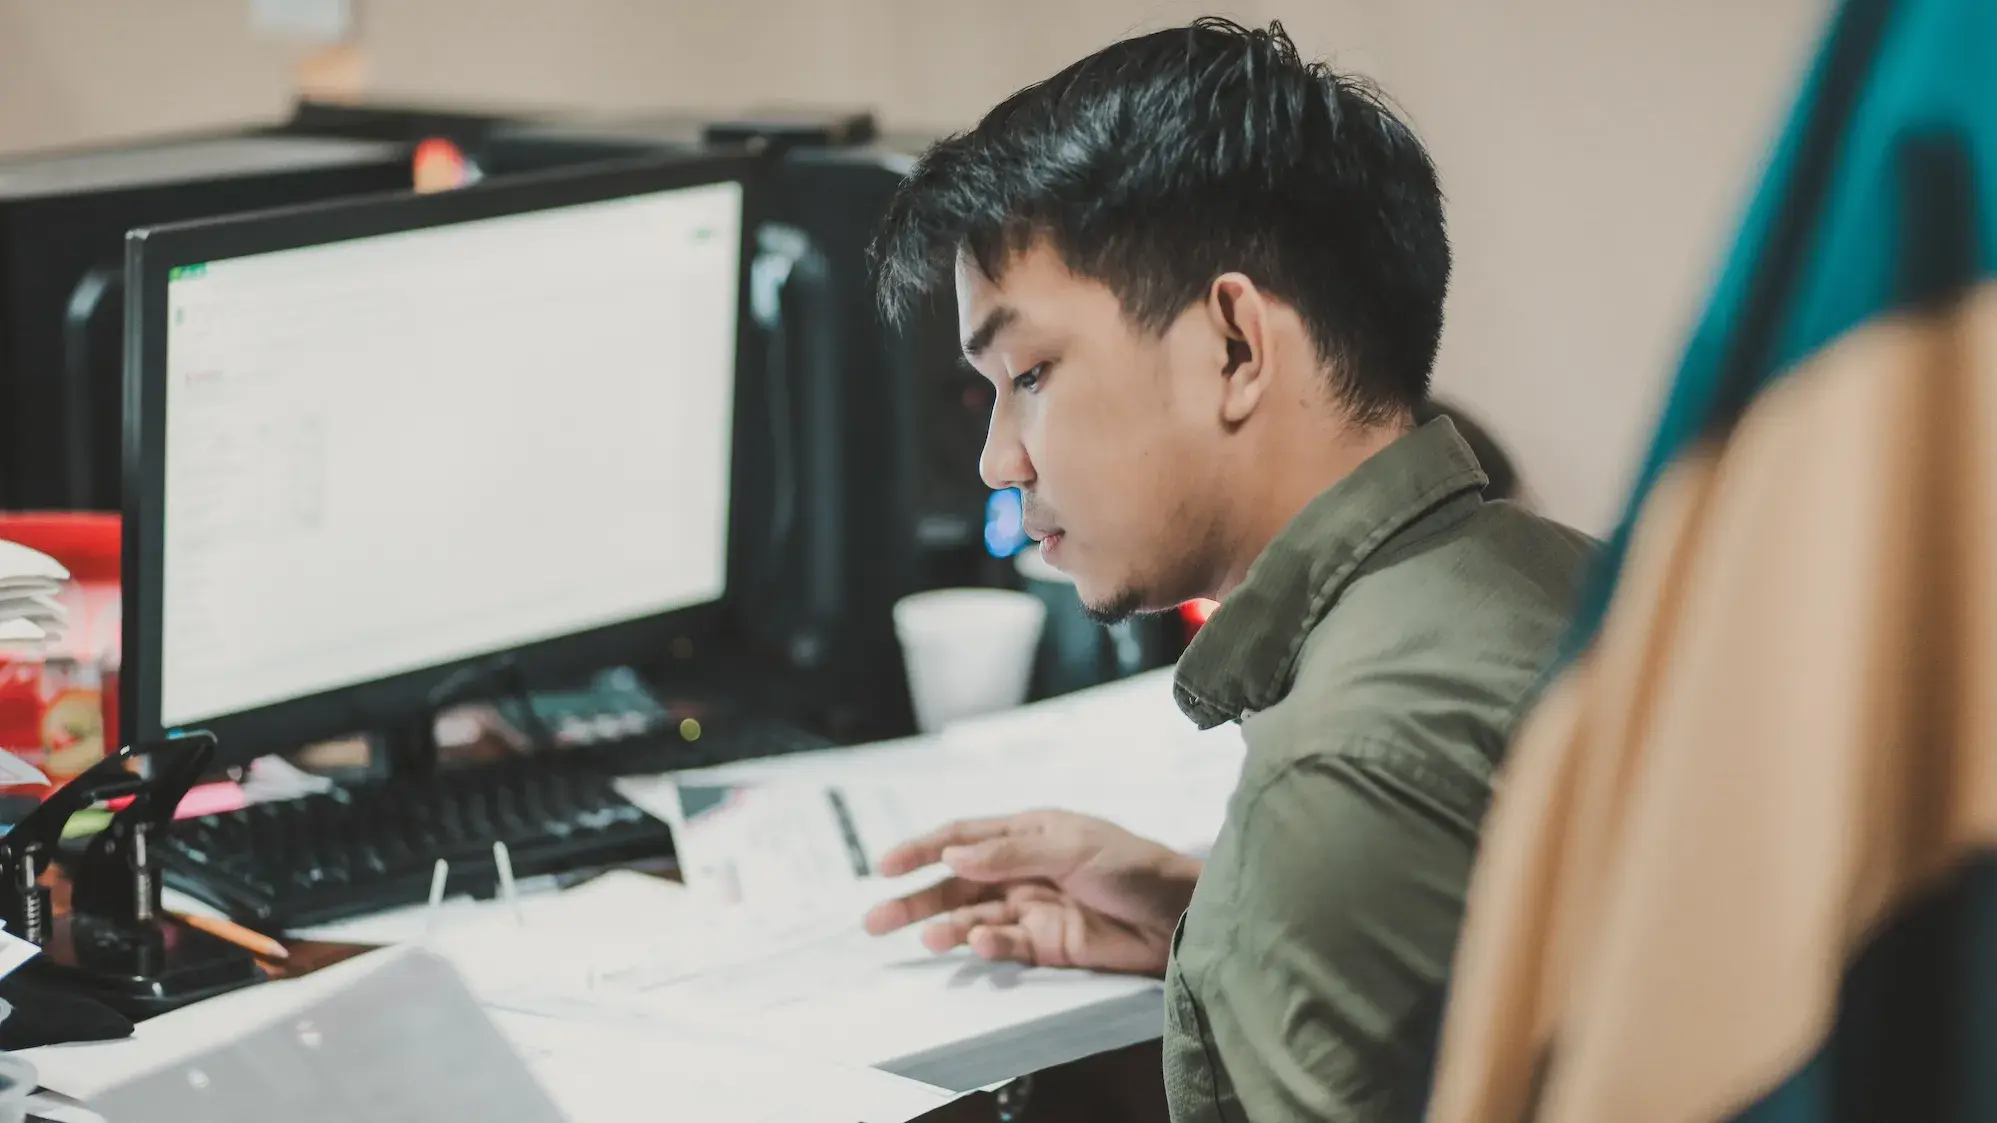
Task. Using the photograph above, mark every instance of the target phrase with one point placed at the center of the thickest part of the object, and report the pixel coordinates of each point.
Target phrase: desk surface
(1122, 1086)
(1106, 724)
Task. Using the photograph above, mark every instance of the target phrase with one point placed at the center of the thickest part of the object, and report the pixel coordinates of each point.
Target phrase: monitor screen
(390, 453)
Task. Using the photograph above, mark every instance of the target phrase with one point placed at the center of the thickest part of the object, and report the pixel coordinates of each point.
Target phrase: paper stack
(550, 977)
(782, 829)
(30, 582)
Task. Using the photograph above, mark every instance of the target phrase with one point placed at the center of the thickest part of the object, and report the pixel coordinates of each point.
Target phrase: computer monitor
(375, 443)
(63, 220)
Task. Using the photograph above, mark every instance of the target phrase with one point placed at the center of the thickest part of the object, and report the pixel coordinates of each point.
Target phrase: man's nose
(1004, 462)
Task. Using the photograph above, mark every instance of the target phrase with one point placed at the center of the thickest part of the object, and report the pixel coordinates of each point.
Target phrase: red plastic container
(60, 712)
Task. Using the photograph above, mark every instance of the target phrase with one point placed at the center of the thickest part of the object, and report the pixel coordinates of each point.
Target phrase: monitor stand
(410, 749)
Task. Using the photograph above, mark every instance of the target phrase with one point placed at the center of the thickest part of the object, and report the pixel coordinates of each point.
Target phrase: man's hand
(1050, 888)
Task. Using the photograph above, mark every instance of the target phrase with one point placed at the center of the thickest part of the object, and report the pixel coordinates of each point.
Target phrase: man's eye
(1029, 380)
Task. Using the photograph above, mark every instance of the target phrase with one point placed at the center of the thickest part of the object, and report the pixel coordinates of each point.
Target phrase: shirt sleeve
(1344, 917)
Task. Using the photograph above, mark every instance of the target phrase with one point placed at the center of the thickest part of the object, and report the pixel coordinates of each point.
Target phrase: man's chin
(1112, 609)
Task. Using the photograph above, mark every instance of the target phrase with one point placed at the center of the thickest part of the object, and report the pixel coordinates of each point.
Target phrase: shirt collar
(1244, 658)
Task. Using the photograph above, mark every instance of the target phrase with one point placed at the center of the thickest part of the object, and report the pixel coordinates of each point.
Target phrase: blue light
(1005, 524)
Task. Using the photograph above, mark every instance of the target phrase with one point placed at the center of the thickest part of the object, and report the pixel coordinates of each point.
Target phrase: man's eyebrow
(996, 321)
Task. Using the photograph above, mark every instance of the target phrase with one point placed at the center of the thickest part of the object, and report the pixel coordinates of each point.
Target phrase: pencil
(255, 942)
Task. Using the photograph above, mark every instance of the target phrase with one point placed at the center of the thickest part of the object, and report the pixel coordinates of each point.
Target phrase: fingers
(928, 849)
(958, 925)
(1002, 943)
(940, 898)
(1025, 893)
(993, 930)
(1017, 856)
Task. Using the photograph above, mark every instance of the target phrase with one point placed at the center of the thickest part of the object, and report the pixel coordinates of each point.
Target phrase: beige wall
(1594, 153)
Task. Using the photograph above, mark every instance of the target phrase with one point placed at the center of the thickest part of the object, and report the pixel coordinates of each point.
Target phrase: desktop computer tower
(63, 219)
(895, 424)
(905, 506)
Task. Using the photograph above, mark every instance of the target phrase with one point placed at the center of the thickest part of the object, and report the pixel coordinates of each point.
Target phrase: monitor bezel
(395, 701)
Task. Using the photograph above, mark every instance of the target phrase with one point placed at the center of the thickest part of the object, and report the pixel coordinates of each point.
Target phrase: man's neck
(1291, 470)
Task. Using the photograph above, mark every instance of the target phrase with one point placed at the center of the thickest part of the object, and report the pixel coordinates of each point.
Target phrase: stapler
(116, 943)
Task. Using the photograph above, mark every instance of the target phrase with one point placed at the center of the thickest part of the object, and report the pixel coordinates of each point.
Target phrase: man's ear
(1239, 314)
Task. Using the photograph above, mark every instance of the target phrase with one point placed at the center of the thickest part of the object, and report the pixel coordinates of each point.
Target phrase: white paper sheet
(780, 829)
(22, 632)
(48, 1107)
(84, 1070)
(14, 770)
(42, 608)
(848, 997)
(760, 844)
(598, 1063)
(802, 978)
(23, 567)
(600, 1072)
(15, 953)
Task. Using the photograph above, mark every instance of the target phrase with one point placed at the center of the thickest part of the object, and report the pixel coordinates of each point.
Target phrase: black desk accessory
(117, 944)
(45, 1013)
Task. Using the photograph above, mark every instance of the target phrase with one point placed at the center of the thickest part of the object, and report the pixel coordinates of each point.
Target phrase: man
(1207, 281)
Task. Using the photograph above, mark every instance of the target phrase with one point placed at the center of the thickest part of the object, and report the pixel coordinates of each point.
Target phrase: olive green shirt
(1376, 656)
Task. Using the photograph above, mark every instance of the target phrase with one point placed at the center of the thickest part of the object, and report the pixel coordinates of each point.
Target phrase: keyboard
(366, 847)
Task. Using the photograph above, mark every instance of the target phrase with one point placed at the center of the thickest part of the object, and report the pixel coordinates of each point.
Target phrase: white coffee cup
(968, 651)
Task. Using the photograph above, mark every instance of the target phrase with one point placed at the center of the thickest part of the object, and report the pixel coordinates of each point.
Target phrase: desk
(1122, 1086)
(1124, 730)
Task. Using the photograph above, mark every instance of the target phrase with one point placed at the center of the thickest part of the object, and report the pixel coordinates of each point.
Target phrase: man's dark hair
(1166, 160)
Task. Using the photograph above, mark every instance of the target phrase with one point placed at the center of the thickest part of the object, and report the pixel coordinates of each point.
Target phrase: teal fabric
(1937, 68)
(1915, 1037)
